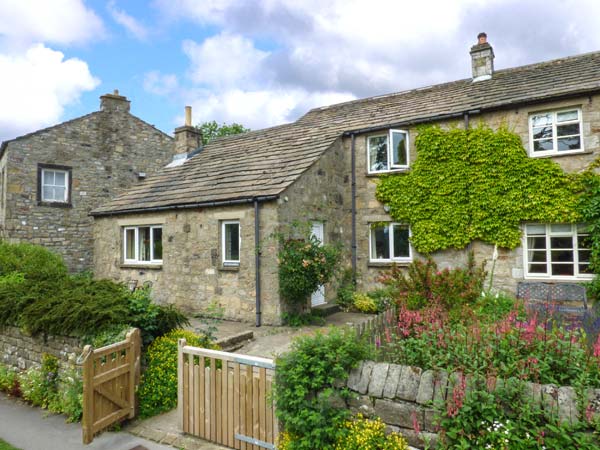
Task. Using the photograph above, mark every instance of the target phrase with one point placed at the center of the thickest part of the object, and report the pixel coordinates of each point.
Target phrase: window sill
(387, 172)
(562, 154)
(55, 204)
(388, 263)
(233, 268)
(141, 266)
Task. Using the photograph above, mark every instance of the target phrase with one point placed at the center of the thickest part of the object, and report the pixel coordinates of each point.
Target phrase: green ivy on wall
(477, 184)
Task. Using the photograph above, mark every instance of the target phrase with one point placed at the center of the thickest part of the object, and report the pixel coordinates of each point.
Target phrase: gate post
(180, 344)
(87, 422)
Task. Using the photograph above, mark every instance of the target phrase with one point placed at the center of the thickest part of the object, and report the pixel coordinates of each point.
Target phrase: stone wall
(21, 351)
(192, 276)
(105, 151)
(403, 396)
(509, 268)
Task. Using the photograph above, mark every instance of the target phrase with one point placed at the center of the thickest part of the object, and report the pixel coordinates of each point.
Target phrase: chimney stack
(187, 138)
(482, 59)
(114, 102)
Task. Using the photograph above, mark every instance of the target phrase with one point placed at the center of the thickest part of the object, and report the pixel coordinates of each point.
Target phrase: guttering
(240, 201)
(411, 122)
(353, 202)
(257, 261)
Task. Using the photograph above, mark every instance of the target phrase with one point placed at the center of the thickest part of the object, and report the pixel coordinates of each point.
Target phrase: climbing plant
(477, 184)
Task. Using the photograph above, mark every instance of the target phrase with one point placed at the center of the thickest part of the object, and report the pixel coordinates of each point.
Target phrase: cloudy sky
(259, 63)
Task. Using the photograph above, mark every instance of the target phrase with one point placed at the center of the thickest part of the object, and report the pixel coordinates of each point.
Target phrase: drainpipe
(257, 261)
(353, 153)
(466, 118)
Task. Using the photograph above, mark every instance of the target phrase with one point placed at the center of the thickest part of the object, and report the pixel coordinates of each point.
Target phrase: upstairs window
(555, 132)
(387, 152)
(54, 184)
(390, 243)
(557, 251)
(142, 245)
(231, 242)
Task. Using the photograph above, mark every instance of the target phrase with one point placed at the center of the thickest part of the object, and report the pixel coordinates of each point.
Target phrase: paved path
(31, 428)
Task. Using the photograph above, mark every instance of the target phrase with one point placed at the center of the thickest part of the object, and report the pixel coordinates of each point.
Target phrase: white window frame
(47, 200)
(391, 259)
(555, 150)
(391, 167)
(573, 233)
(137, 260)
(231, 262)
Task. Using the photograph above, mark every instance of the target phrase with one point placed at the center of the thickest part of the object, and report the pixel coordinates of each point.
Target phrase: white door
(318, 297)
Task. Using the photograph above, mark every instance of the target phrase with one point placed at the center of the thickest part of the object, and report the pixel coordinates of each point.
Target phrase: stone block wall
(21, 351)
(404, 396)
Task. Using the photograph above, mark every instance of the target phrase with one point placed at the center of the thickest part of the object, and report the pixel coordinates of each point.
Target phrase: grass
(6, 446)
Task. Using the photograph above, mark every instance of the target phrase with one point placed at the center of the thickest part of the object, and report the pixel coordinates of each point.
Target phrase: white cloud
(130, 23)
(225, 60)
(35, 88)
(67, 22)
(159, 83)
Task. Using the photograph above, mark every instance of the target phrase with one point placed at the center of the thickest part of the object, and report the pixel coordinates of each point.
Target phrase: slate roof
(264, 163)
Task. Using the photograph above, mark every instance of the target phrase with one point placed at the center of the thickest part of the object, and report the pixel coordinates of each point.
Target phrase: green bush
(33, 261)
(364, 303)
(9, 380)
(158, 387)
(305, 384)
(346, 289)
(362, 434)
(40, 386)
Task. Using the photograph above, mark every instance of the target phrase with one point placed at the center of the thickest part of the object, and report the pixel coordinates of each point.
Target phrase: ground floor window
(142, 244)
(390, 242)
(231, 242)
(557, 251)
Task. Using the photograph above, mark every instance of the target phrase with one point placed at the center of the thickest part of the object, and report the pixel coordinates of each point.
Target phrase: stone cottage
(51, 179)
(210, 214)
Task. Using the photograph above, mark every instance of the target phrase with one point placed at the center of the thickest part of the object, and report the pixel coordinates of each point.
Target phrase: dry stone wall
(404, 398)
(21, 351)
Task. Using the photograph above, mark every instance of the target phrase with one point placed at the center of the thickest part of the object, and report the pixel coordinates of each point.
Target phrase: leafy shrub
(9, 380)
(158, 386)
(304, 264)
(69, 398)
(305, 383)
(384, 297)
(40, 386)
(364, 303)
(367, 434)
(346, 288)
(33, 261)
(424, 284)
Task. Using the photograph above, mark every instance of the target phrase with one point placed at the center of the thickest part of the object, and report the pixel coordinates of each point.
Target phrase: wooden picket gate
(110, 375)
(226, 398)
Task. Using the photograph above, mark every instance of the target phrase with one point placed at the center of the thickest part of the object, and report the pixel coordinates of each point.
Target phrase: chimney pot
(188, 116)
(114, 102)
(482, 59)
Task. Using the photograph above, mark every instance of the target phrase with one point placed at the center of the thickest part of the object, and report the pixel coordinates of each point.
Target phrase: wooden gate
(110, 376)
(226, 398)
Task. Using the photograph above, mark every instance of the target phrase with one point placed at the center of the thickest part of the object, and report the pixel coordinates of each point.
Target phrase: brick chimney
(114, 102)
(482, 59)
(187, 138)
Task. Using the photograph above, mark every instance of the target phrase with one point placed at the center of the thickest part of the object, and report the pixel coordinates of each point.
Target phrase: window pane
(567, 115)
(59, 179)
(129, 244)
(571, 143)
(157, 243)
(538, 268)
(380, 243)
(562, 256)
(560, 228)
(537, 243)
(378, 153)
(144, 243)
(542, 146)
(48, 177)
(537, 256)
(543, 133)
(561, 242)
(563, 269)
(567, 130)
(584, 256)
(48, 193)
(536, 229)
(401, 243)
(59, 194)
(232, 242)
(541, 120)
(399, 149)
(585, 268)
